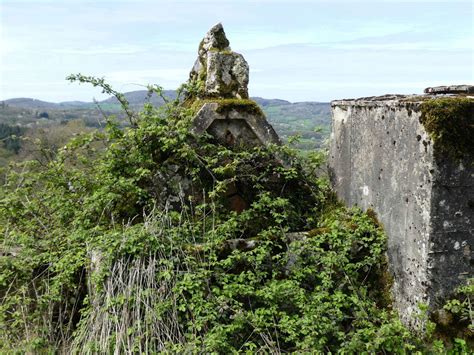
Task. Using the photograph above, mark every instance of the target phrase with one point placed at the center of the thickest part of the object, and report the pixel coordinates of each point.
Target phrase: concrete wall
(382, 158)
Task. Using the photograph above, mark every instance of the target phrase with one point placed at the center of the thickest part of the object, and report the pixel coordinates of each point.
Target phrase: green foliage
(129, 240)
(297, 296)
(458, 314)
(450, 123)
(106, 89)
(10, 137)
(288, 119)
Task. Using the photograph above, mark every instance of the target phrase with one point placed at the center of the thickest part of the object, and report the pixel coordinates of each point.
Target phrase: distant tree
(43, 115)
(10, 137)
(42, 143)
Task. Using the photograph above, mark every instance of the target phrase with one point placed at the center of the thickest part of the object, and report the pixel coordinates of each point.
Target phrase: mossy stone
(450, 123)
(227, 105)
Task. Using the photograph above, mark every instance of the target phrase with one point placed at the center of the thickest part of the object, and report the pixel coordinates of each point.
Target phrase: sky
(297, 50)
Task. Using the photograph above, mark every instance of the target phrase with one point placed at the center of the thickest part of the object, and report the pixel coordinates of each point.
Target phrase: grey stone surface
(451, 89)
(214, 38)
(234, 126)
(219, 72)
(221, 78)
(218, 91)
(227, 75)
(382, 158)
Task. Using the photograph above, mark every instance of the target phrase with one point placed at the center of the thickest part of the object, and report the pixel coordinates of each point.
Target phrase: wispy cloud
(99, 50)
(406, 41)
(297, 50)
(169, 75)
(238, 2)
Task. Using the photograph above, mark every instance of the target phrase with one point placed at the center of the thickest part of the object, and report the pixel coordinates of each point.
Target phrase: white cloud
(98, 50)
(401, 46)
(8, 45)
(161, 76)
(238, 2)
(294, 51)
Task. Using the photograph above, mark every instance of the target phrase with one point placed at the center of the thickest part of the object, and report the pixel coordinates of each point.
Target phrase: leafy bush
(149, 238)
(9, 137)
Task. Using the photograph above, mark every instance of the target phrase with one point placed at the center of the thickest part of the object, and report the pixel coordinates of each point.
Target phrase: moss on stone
(242, 105)
(450, 123)
(201, 46)
(319, 231)
(373, 216)
(227, 105)
(384, 284)
(221, 51)
(416, 99)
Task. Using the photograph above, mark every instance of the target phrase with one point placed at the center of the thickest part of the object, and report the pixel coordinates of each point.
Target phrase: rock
(217, 93)
(227, 75)
(235, 123)
(218, 72)
(382, 157)
(218, 89)
(214, 38)
(452, 89)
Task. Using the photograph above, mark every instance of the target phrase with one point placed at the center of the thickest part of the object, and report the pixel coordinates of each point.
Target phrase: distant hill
(288, 119)
(75, 104)
(135, 98)
(25, 102)
(139, 97)
(270, 102)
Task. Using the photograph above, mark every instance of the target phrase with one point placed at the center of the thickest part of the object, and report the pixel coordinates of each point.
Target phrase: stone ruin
(218, 87)
(451, 89)
(219, 72)
(383, 156)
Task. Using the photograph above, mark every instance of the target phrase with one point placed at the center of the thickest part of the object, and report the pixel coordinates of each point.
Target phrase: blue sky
(297, 50)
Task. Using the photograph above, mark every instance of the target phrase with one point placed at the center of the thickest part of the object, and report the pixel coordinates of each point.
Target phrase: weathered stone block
(227, 75)
(221, 77)
(235, 124)
(382, 157)
(219, 72)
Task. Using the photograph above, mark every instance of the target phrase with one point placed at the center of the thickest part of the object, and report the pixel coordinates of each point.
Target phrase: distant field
(309, 120)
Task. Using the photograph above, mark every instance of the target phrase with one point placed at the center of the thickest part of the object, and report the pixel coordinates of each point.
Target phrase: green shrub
(127, 241)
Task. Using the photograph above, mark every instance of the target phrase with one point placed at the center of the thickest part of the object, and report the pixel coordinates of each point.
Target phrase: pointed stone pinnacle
(215, 38)
(218, 72)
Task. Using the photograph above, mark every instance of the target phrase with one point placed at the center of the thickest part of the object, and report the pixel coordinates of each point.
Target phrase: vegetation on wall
(130, 239)
(450, 123)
